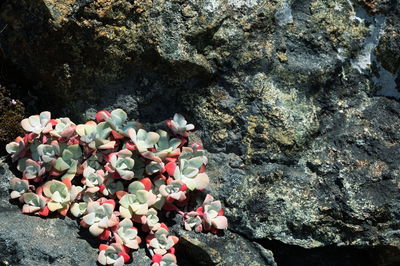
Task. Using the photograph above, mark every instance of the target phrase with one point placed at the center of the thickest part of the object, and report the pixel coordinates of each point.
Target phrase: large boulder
(296, 102)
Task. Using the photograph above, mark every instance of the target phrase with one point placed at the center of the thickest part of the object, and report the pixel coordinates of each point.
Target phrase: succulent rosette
(166, 146)
(95, 136)
(87, 133)
(121, 163)
(179, 125)
(137, 201)
(165, 260)
(161, 241)
(18, 187)
(113, 254)
(38, 123)
(188, 172)
(93, 179)
(33, 202)
(68, 162)
(16, 148)
(78, 208)
(64, 128)
(48, 153)
(100, 216)
(152, 219)
(58, 193)
(31, 169)
(175, 190)
(142, 139)
(193, 221)
(214, 214)
(126, 234)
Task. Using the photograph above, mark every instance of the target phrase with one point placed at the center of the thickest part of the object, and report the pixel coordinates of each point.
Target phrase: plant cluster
(117, 178)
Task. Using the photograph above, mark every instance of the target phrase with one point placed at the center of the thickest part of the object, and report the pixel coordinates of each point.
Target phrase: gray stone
(294, 100)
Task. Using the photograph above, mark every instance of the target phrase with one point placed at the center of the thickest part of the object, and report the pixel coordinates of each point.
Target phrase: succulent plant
(152, 218)
(188, 153)
(116, 118)
(64, 128)
(175, 190)
(58, 194)
(18, 187)
(179, 125)
(48, 153)
(154, 167)
(193, 221)
(122, 163)
(112, 186)
(126, 234)
(190, 168)
(161, 241)
(167, 147)
(78, 208)
(100, 215)
(91, 169)
(31, 169)
(166, 260)
(95, 161)
(137, 201)
(103, 131)
(95, 135)
(38, 123)
(87, 132)
(75, 192)
(69, 160)
(113, 254)
(33, 202)
(16, 148)
(142, 139)
(159, 199)
(213, 214)
(188, 173)
(93, 179)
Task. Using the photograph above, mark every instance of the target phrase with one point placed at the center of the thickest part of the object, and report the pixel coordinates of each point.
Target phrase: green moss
(11, 114)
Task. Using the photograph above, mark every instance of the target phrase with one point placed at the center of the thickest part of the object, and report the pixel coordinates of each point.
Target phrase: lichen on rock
(288, 97)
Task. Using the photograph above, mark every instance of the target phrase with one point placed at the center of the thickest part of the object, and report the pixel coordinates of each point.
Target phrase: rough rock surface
(296, 102)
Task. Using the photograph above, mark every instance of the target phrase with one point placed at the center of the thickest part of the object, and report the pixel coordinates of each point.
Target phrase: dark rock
(229, 249)
(11, 113)
(294, 100)
(388, 51)
(342, 191)
(31, 240)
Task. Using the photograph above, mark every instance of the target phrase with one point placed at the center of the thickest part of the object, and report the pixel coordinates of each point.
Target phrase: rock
(294, 100)
(374, 6)
(227, 249)
(31, 240)
(388, 49)
(342, 191)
